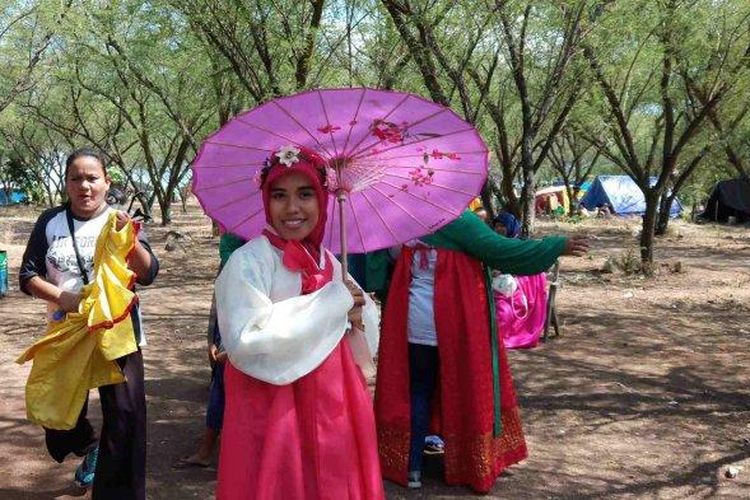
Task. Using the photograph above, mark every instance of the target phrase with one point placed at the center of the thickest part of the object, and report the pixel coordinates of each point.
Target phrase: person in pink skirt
(298, 421)
(520, 301)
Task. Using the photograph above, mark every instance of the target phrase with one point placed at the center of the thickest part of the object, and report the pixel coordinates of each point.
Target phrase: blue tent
(622, 194)
(16, 196)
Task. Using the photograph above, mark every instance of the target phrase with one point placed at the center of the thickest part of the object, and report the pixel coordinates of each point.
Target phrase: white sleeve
(371, 320)
(277, 342)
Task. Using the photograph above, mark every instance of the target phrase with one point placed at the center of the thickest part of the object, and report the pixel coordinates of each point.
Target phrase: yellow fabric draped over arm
(79, 352)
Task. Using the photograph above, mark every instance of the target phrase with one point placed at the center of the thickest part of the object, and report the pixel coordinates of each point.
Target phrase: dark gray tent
(729, 199)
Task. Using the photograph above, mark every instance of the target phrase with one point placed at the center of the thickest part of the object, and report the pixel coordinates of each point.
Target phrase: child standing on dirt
(216, 357)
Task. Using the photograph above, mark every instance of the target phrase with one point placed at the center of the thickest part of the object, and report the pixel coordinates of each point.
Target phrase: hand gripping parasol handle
(342, 198)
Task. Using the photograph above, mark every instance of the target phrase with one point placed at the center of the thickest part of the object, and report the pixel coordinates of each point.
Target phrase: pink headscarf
(302, 256)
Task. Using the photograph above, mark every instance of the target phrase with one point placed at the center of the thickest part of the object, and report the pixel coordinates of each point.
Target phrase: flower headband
(288, 156)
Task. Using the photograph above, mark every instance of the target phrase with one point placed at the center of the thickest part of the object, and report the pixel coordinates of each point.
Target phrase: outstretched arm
(471, 235)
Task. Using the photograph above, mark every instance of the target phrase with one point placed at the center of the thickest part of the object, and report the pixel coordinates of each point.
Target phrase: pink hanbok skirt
(311, 439)
(520, 319)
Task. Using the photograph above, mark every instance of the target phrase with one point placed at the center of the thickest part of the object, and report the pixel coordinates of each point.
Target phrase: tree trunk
(662, 221)
(647, 233)
(511, 201)
(487, 197)
(164, 200)
(50, 197)
(166, 211)
(151, 200)
(491, 196)
(528, 203)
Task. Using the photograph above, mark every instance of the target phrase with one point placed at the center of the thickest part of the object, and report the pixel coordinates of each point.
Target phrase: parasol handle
(342, 198)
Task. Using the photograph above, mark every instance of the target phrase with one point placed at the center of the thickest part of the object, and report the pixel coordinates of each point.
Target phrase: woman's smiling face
(293, 206)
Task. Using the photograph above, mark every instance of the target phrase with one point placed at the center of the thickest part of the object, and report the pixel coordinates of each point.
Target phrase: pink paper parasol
(401, 166)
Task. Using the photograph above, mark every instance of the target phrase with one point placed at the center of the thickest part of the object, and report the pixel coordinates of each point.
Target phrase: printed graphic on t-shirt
(61, 261)
(62, 257)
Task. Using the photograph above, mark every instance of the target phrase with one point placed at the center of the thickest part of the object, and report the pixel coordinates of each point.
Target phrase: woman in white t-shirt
(55, 268)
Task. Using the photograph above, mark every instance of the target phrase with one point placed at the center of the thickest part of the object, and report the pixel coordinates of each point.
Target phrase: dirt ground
(645, 395)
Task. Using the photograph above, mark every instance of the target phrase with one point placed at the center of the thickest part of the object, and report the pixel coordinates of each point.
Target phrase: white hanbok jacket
(273, 333)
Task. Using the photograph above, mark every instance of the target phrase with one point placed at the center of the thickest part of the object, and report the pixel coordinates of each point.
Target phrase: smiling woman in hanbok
(298, 420)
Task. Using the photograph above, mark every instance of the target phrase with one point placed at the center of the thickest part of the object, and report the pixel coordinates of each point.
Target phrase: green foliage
(145, 82)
